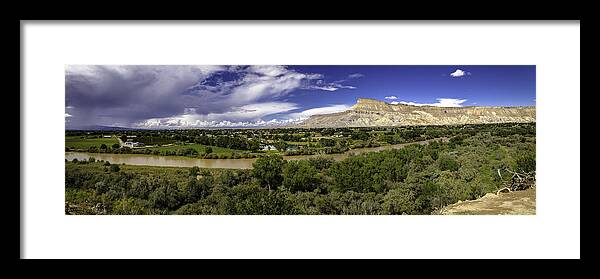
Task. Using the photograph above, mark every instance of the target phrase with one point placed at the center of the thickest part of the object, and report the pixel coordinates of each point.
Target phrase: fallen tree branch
(520, 180)
(503, 190)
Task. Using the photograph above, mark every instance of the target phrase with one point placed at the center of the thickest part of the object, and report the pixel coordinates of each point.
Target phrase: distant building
(132, 144)
(268, 147)
(106, 136)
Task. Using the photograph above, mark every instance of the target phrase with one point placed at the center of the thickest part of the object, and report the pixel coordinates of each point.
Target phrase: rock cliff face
(370, 112)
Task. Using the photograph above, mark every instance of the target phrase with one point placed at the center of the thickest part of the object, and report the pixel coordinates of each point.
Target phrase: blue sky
(172, 96)
(484, 86)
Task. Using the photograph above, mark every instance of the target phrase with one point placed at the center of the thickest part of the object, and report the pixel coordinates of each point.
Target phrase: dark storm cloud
(138, 95)
(107, 95)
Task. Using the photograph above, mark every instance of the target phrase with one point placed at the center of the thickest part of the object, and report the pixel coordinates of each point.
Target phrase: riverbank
(241, 163)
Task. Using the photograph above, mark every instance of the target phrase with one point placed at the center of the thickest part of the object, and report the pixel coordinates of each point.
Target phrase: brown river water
(178, 161)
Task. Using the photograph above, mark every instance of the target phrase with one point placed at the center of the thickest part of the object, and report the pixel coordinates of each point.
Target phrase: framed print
(301, 139)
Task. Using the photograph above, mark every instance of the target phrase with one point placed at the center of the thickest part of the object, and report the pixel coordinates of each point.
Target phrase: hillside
(513, 203)
(370, 112)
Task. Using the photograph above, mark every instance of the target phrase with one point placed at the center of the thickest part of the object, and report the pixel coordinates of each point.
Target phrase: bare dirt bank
(511, 203)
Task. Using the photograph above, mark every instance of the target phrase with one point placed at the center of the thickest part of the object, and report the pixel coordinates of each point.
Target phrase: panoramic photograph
(300, 140)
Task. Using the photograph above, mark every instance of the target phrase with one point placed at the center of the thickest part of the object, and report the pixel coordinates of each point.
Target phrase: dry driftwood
(503, 190)
(519, 181)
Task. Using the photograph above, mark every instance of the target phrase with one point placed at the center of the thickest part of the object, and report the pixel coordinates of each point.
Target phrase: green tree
(360, 135)
(358, 174)
(525, 163)
(300, 176)
(103, 146)
(253, 145)
(321, 162)
(100, 187)
(446, 162)
(198, 189)
(252, 199)
(115, 146)
(281, 145)
(166, 196)
(268, 171)
(130, 206)
(327, 142)
(114, 168)
(208, 150)
(194, 171)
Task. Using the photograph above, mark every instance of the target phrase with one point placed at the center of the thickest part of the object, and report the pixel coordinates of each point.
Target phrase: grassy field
(297, 142)
(175, 172)
(76, 142)
(198, 147)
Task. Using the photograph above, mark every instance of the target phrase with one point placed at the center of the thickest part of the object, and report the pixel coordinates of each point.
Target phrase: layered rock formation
(370, 112)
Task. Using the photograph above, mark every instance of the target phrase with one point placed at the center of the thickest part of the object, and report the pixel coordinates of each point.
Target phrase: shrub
(401, 200)
(114, 168)
(447, 163)
(194, 171)
(525, 163)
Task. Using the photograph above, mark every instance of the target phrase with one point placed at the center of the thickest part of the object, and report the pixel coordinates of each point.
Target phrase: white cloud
(256, 83)
(447, 102)
(442, 102)
(158, 124)
(317, 83)
(254, 111)
(245, 116)
(314, 111)
(329, 87)
(394, 103)
(268, 70)
(238, 116)
(459, 73)
(391, 97)
(325, 88)
(266, 81)
(68, 115)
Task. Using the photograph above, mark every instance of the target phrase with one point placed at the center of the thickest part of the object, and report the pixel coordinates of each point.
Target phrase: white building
(268, 147)
(132, 144)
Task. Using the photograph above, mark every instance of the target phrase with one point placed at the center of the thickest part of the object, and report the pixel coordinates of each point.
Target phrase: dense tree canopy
(268, 171)
(300, 176)
(416, 179)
